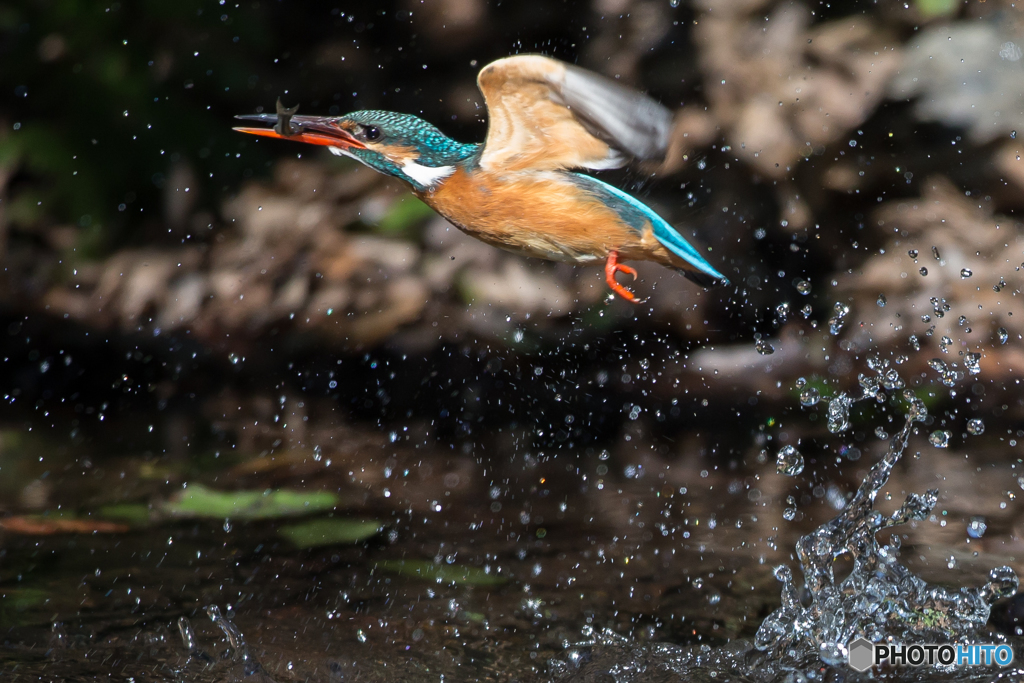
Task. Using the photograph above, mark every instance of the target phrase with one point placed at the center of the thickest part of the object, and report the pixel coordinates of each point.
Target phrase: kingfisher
(523, 189)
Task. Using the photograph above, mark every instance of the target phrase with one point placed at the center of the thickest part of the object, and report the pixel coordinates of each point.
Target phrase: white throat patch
(425, 175)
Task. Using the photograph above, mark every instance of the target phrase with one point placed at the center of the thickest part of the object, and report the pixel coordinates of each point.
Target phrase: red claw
(613, 266)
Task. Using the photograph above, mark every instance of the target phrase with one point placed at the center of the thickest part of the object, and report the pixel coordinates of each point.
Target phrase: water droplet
(939, 438)
(869, 386)
(806, 311)
(1004, 336)
(881, 301)
(673, 3)
(360, 636)
(782, 312)
(789, 514)
(975, 427)
(912, 253)
(698, 582)
(881, 433)
(789, 461)
(917, 411)
(1003, 584)
(891, 380)
(923, 271)
(809, 397)
(977, 527)
(763, 347)
(972, 361)
(839, 413)
(965, 273)
(915, 342)
(804, 287)
(935, 253)
(836, 322)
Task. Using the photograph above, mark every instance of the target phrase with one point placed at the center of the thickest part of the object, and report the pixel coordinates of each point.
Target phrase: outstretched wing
(546, 114)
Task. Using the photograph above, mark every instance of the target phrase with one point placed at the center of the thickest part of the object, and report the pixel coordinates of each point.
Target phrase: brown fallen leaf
(39, 526)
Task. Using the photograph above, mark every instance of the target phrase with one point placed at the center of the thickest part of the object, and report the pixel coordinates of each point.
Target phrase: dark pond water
(490, 561)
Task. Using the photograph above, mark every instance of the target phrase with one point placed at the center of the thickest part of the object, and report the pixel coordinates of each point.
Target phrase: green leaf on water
(200, 501)
(132, 513)
(929, 9)
(441, 573)
(20, 605)
(320, 532)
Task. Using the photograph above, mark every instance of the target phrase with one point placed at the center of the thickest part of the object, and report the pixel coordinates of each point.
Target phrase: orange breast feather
(539, 214)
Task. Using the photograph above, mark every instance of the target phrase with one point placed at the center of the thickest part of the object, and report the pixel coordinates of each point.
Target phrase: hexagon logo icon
(862, 654)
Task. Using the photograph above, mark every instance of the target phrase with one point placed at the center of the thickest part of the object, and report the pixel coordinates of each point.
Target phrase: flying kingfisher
(520, 190)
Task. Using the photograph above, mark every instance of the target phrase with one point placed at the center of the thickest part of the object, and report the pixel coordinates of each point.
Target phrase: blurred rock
(349, 256)
(781, 87)
(966, 74)
(951, 270)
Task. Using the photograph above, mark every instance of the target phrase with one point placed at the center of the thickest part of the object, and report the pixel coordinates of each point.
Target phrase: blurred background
(180, 303)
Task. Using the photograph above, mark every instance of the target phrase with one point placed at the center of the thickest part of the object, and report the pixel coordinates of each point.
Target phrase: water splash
(880, 599)
(238, 662)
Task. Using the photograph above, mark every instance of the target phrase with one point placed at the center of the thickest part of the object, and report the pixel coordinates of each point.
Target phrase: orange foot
(613, 266)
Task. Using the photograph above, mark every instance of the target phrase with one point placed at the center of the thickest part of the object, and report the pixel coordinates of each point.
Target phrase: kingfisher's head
(400, 145)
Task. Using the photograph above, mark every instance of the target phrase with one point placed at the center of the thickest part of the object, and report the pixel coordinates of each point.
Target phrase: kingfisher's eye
(371, 132)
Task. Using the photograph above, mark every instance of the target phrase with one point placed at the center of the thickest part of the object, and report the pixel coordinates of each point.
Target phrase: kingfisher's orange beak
(314, 130)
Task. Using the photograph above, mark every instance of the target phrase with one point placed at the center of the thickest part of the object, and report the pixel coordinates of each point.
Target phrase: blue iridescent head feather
(432, 148)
